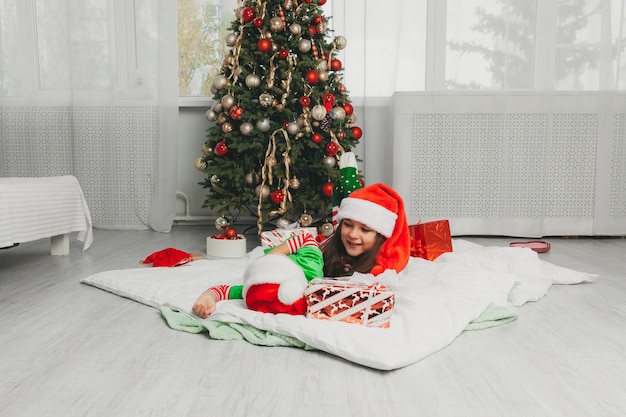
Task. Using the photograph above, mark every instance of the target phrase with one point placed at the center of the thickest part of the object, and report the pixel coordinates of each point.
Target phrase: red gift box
(430, 239)
(350, 302)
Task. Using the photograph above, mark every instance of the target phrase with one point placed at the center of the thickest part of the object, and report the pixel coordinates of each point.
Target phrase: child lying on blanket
(372, 236)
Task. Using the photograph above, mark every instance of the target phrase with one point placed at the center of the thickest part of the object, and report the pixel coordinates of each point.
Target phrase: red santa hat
(275, 284)
(381, 208)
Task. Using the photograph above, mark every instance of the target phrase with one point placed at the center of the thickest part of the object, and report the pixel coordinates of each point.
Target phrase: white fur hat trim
(371, 214)
(276, 269)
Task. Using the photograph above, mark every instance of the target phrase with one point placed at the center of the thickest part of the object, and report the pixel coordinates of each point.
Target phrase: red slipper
(538, 246)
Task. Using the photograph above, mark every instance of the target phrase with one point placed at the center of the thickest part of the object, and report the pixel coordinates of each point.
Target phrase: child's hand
(205, 304)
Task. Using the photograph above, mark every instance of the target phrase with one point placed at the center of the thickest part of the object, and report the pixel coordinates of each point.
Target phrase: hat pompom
(274, 284)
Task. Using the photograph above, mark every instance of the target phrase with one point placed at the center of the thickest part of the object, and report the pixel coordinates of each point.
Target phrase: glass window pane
(74, 35)
(202, 29)
(490, 44)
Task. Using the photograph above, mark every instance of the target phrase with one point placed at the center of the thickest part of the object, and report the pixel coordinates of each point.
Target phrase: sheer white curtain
(89, 88)
(506, 116)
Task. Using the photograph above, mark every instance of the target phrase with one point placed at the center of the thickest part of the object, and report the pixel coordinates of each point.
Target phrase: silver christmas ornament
(246, 128)
(253, 80)
(329, 161)
(338, 113)
(221, 223)
(304, 45)
(263, 125)
(210, 115)
(220, 81)
(228, 101)
(252, 178)
(318, 112)
(230, 39)
(276, 24)
(292, 128)
(295, 29)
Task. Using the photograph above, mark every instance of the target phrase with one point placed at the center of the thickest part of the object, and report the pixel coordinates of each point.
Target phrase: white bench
(45, 207)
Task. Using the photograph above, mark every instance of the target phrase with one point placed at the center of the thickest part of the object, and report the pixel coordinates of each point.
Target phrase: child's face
(356, 237)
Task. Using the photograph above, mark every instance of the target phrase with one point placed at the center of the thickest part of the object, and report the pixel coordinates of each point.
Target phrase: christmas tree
(283, 117)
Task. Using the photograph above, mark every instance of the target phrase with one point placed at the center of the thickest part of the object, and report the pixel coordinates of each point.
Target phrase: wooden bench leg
(60, 245)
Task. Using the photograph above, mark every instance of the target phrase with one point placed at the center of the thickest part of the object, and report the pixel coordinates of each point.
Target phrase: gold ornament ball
(323, 76)
(220, 81)
(294, 183)
(207, 150)
(262, 191)
(327, 229)
(305, 220)
(200, 164)
(271, 161)
(210, 115)
(252, 178)
(227, 127)
(266, 100)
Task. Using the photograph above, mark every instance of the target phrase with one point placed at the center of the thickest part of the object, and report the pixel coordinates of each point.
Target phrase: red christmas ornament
(305, 101)
(258, 22)
(332, 148)
(318, 19)
(341, 88)
(285, 124)
(347, 107)
(322, 2)
(313, 30)
(277, 196)
(230, 233)
(357, 132)
(307, 1)
(327, 189)
(317, 138)
(283, 53)
(264, 45)
(247, 14)
(312, 77)
(340, 135)
(329, 100)
(335, 65)
(236, 112)
(221, 148)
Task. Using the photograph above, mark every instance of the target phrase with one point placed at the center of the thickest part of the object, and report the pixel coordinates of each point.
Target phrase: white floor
(67, 349)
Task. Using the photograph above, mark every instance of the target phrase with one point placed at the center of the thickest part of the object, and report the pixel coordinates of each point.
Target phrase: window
(202, 28)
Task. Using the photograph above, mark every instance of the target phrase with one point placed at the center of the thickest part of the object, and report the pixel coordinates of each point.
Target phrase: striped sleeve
(221, 292)
(301, 240)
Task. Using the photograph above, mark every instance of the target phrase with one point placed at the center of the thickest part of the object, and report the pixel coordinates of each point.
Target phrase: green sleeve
(236, 292)
(310, 259)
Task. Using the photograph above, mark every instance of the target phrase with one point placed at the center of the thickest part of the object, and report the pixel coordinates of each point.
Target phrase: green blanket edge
(176, 319)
